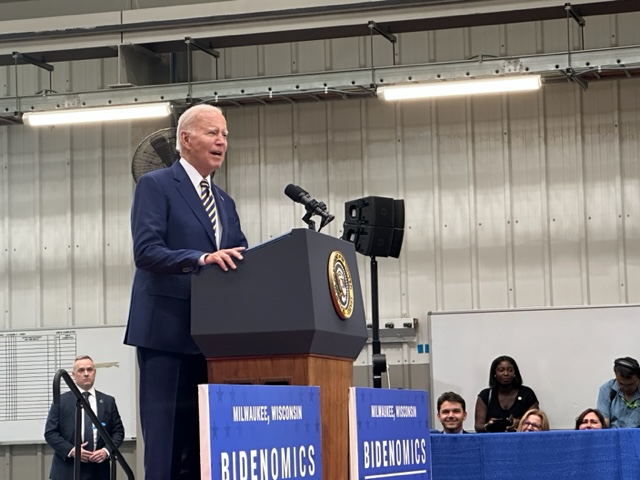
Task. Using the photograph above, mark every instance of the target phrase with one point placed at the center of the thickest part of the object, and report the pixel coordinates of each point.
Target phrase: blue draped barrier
(557, 455)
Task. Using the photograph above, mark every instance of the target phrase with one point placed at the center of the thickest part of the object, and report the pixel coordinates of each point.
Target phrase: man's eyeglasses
(534, 426)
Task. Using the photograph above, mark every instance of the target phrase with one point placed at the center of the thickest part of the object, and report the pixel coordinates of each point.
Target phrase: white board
(29, 360)
(564, 354)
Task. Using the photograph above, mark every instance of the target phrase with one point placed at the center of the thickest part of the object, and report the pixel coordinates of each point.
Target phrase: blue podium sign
(389, 434)
(256, 432)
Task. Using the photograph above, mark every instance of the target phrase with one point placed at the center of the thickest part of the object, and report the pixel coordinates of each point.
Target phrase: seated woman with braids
(500, 407)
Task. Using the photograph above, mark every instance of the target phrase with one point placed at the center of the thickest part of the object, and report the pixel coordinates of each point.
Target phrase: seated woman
(534, 420)
(500, 407)
(590, 419)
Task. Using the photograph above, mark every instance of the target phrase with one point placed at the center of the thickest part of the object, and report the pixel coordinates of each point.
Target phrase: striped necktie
(209, 205)
(88, 427)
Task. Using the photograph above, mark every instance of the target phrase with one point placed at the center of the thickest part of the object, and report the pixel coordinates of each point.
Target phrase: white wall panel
(450, 45)
(241, 62)
(599, 32)
(116, 255)
(415, 47)
(456, 178)
(490, 200)
(55, 220)
(87, 225)
(311, 154)
(566, 198)
(487, 41)
(24, 235)
(311, 56)
(244, 179)
(626, 29)
(523, 38)
(278, 167)
(346, 53)
(601, 160)
(530, 245)
(418, 260)
(629, 127)
(5, 82)
(277, 59)
(5, 223)
(554, 35)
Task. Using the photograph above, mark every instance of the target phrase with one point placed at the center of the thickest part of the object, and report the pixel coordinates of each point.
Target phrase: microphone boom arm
(307, 219)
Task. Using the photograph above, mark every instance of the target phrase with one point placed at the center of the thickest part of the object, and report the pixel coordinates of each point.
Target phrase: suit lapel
(100, 415)
(99, 406)
(188, 193)
(221, 212)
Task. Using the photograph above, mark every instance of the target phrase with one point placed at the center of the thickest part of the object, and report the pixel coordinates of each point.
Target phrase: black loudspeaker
(375, 225)
(375, 211)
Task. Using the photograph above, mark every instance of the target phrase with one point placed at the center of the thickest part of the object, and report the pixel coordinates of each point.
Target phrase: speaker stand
(378, 360)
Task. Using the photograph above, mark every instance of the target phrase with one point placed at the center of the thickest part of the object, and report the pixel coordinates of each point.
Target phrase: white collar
(193, 174)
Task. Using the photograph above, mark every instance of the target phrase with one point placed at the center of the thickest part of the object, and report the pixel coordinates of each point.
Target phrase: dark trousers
(169, 413)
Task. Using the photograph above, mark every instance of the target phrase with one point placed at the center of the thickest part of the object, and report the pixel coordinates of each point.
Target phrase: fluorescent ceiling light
(101, 114)
(460, 87)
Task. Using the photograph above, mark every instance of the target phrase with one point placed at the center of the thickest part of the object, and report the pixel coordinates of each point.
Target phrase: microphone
(312, 206)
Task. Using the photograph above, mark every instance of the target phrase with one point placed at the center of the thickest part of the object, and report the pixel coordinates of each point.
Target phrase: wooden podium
(274, 321)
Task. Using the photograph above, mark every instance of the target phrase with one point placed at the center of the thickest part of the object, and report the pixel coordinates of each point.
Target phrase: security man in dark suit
(180, 222)
(60, 428)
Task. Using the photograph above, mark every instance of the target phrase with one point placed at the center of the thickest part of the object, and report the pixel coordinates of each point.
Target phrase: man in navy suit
(173, 237)
(60, 428)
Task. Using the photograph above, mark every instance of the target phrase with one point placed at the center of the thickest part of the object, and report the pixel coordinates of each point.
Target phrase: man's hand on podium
(224, 258)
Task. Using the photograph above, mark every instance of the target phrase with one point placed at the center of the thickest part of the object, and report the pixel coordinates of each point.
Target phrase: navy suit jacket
(60, 434)
(171, 231)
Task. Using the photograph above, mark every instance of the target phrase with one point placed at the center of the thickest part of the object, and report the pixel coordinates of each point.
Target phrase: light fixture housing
(97, 114)
(452, 88)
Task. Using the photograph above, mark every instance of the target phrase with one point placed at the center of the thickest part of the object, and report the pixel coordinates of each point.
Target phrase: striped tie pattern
(209, 204)
(88, 427)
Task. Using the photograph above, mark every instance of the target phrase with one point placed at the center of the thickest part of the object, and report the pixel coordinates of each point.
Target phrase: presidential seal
(341, 285)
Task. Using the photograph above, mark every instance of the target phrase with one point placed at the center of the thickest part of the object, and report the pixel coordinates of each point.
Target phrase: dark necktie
(209, 205)
(87, 436)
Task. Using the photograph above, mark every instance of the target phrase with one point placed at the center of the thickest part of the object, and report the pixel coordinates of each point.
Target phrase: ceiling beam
(242, 23)
(622, 62)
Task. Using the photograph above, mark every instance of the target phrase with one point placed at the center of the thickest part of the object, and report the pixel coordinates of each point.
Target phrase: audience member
(619, 398)
(534, 420)
(452, 412)
(500, 407)
(590, 419)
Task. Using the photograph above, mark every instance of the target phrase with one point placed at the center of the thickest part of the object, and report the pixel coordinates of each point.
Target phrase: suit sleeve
(117, 432)
(149, 214)
(52, 433)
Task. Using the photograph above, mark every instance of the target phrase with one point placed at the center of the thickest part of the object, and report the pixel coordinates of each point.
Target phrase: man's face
(84, 373)
(204, 145)
(452, 416)
(628, 386)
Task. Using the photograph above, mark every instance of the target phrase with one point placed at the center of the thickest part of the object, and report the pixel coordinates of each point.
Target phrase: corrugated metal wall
(527, 200)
